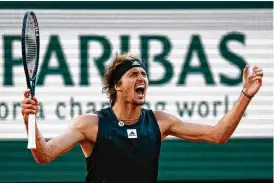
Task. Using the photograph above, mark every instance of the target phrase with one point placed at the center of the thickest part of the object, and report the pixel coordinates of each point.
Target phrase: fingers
(256, 69)
(256, 74)
(260, 81)
(28, 111)
(257, 78)
(29, 106)
(35, 100)
(28, 101)
(27, 93)
(245, 72)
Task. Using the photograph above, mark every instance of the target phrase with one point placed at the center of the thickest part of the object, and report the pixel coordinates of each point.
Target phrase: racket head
(30, 41)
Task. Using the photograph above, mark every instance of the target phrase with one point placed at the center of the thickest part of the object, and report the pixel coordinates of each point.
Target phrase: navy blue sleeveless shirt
(125, 153)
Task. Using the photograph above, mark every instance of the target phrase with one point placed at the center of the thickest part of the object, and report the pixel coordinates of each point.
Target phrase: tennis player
(122, 143)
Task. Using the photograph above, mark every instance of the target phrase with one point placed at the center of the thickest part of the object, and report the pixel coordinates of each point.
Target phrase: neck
(126, 112)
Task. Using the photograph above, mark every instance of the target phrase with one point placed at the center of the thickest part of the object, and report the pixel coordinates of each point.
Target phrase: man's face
(133, 86)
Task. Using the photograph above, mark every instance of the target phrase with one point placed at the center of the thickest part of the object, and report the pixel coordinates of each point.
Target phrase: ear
(118, 87)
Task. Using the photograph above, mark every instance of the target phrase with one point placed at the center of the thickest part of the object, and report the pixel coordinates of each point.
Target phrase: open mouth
(140, 90)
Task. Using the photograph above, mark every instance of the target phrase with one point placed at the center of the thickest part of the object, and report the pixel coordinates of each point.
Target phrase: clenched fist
(29, 106)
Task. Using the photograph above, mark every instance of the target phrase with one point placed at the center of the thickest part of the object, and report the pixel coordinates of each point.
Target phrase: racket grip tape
(31, 132)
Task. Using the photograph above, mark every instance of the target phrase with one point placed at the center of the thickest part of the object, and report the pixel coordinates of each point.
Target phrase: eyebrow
(135, 72)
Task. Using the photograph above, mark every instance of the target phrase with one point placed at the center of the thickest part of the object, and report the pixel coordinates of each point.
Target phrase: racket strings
(31, 46)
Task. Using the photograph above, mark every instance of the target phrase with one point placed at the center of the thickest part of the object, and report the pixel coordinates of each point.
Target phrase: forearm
(227, 125)
(47, 151)
(42, 154)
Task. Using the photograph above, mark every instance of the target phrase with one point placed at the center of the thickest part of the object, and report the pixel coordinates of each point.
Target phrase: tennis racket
(30, 55)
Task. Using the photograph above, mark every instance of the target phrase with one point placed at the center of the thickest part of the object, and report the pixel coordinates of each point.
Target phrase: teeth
(140, 87)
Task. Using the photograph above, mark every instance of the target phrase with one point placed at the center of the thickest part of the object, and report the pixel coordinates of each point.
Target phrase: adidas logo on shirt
(135, 63)
(132, 133)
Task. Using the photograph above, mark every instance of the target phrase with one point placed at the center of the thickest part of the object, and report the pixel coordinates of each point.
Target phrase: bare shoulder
(85, 121)
(165, 120)
(164, 116)
(87, 124)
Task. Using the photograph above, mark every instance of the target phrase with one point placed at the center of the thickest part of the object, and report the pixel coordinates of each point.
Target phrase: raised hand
(29, 106)
(252, 82)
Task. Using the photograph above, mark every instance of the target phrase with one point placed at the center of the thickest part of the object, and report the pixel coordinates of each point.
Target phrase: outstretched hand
(252, 82)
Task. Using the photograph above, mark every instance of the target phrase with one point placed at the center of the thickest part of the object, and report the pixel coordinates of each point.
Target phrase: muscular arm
(46, 152)
(219, 133)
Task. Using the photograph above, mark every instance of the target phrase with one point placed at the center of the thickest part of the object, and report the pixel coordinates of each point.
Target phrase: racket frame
(31, 81)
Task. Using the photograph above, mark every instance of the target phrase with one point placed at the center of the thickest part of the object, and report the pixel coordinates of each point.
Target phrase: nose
(141, 79)
(141, 76)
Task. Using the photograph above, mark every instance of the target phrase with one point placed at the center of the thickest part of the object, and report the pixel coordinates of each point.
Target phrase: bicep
(73, 135)
(192, 131)
(65, 141)
(186, 130)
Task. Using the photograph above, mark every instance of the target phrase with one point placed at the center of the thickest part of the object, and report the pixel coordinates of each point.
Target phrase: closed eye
(133, 74)
(136, 74)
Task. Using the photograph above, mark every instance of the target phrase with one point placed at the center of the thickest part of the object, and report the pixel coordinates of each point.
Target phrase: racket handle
(31, 130)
